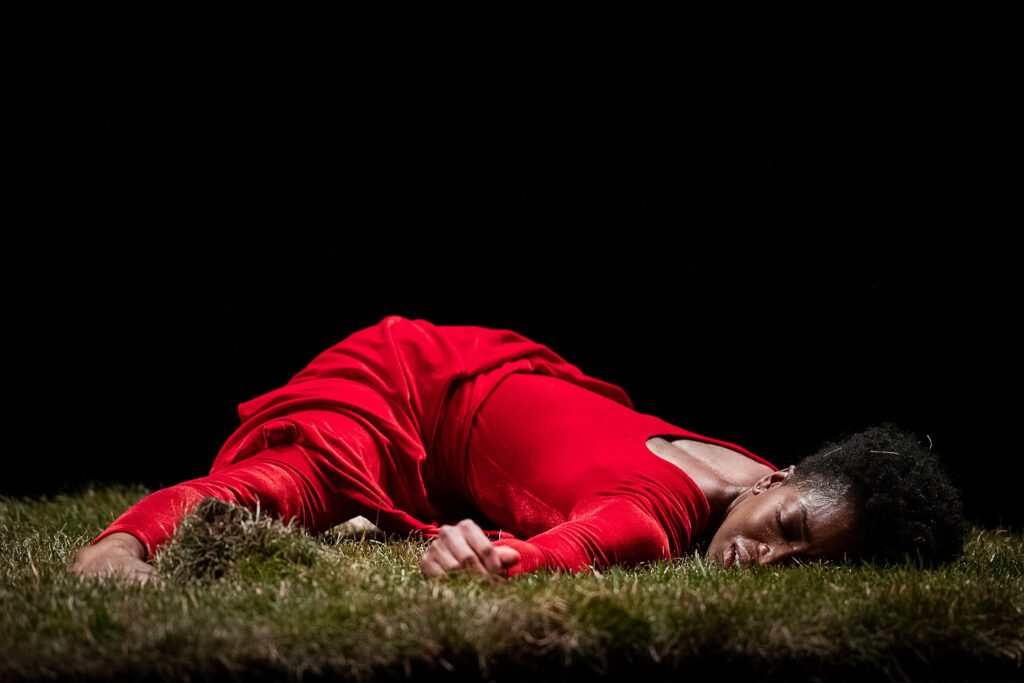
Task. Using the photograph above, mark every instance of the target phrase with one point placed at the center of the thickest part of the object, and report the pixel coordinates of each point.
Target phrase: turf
(244, 596)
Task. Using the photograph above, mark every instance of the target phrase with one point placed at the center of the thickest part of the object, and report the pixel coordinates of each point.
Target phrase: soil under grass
(245, 596)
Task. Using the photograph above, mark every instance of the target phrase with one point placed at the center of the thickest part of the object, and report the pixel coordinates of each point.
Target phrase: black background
(767, 226)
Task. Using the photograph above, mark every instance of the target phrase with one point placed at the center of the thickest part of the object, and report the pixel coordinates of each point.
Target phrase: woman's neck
(721, 473)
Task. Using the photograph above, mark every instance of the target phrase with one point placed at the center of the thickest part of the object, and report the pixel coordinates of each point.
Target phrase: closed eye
(778, 520)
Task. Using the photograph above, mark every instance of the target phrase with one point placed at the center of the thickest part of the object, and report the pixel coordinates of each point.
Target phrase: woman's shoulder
(720, 461)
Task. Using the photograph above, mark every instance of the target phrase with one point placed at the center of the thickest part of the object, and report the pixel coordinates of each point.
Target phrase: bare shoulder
(726, 463)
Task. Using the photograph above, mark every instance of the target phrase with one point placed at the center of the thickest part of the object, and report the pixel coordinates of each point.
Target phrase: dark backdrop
(767, 227)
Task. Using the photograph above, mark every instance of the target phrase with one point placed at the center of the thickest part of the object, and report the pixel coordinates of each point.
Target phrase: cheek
(755, 525)
(721, 536)
(732, 526)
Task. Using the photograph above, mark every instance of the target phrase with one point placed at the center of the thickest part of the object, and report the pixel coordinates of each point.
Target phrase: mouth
(735, 556)
(729, 556)
(742, 556)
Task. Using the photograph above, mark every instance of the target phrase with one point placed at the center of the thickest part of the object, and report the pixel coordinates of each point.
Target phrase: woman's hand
(117, 555)
(465, 547)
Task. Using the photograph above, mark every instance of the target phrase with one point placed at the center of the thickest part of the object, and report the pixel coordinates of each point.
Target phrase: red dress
(414, 425)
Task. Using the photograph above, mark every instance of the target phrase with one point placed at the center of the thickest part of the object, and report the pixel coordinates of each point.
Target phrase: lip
(729, 556)
(742, 556)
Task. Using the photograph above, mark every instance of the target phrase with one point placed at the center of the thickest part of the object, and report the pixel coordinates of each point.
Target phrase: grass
(246, 596)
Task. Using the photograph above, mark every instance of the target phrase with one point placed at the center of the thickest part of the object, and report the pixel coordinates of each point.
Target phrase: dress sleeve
(602, 530)
(315, 466)
(285, 483)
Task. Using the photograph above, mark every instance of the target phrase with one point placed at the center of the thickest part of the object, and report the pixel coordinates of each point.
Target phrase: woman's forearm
(272, 480)
(152, 520)
(602, 531)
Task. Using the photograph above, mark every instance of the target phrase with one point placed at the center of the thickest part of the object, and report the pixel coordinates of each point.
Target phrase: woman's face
(774, 522)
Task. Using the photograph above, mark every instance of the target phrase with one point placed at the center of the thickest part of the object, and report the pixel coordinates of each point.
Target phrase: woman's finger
(430, 568)
(431, 564)
(443, 556)
(148, 575)
(482, 547)
(463, 552)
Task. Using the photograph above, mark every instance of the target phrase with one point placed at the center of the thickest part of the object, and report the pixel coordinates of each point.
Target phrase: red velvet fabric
(414, 425)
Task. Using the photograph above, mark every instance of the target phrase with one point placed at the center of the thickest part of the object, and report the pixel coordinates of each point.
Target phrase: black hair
(904, 502)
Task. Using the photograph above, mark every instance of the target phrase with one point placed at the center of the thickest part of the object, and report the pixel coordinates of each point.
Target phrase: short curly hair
(903, 500)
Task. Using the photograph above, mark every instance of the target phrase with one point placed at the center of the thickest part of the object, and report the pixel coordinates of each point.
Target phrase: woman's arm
(316, 485)
(602, 530)
(465, 547)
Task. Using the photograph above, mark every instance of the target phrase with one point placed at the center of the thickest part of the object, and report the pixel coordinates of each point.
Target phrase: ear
(773, 479)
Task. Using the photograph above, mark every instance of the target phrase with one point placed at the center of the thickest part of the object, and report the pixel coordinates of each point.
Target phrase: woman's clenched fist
(465, 548)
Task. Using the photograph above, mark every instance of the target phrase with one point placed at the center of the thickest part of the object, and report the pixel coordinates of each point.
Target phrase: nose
(764, 553)
(767, 554)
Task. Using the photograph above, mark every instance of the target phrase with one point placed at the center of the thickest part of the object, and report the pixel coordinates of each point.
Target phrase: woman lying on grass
(513, 460)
